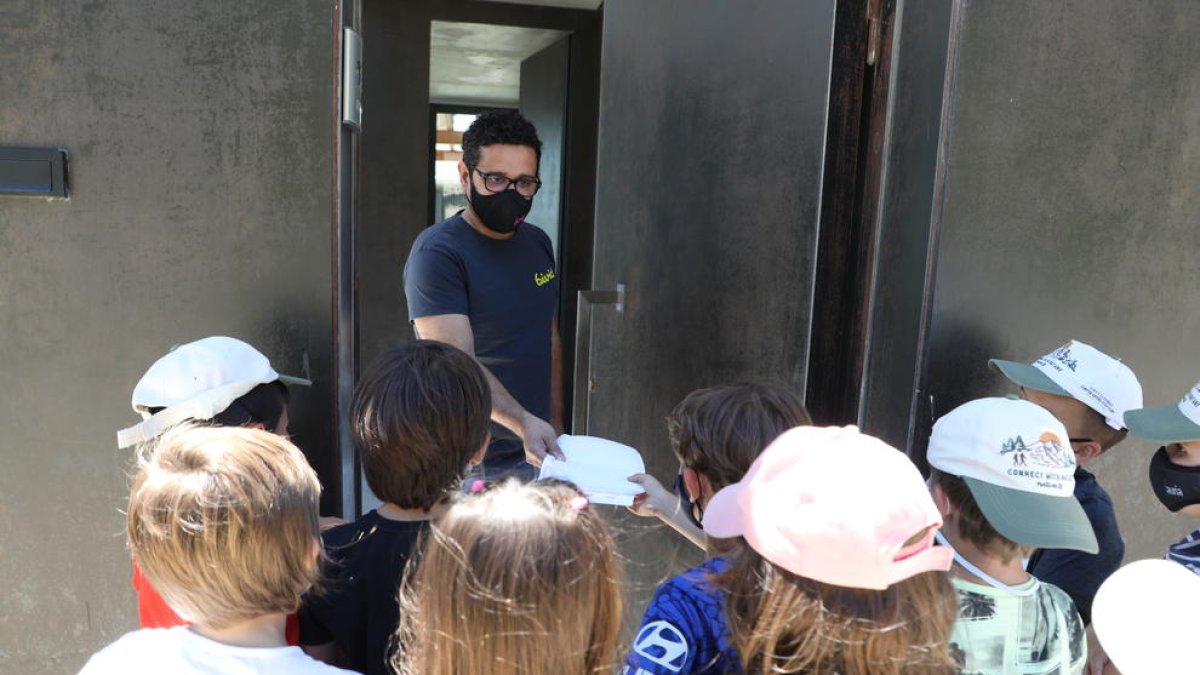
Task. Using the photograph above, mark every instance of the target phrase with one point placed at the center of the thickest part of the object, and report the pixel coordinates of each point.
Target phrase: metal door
(711, 146)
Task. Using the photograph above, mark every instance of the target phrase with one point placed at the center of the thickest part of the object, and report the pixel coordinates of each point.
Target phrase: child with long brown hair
(520, 579)
(828, 567)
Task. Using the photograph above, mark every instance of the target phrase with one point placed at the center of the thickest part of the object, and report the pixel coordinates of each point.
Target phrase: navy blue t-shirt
(684, 629)
(508, 288)
(1080, 574)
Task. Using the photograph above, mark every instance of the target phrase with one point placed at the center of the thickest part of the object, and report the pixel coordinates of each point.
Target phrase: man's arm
(537, 435)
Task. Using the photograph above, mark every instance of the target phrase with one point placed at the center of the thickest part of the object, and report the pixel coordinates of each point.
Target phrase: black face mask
(691, 509)
(1175, 486)
(502, 212)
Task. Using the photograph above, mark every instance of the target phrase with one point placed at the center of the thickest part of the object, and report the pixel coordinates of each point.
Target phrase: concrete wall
(1070, 211)
(200, 170)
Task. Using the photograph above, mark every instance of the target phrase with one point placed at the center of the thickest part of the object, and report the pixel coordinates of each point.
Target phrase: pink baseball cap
(833, 505)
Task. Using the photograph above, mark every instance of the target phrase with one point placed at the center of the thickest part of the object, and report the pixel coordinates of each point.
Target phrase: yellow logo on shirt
(543, 278)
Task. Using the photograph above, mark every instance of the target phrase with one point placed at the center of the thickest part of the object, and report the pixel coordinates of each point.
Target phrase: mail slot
(33, 172)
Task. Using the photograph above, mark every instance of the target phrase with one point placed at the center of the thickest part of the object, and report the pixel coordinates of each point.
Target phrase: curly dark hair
(499, 127)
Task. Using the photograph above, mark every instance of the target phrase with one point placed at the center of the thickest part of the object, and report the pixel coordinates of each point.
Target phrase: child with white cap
(831, 568)
(1175, 468)
(1003, 481)
(1136, 611)
(1089, 392)
(219, 379)
(1135, 603)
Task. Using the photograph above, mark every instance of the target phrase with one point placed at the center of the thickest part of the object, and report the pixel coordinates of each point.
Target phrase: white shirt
(181, 651)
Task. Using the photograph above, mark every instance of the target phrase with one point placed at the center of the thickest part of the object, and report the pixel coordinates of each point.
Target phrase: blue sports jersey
(684, 628)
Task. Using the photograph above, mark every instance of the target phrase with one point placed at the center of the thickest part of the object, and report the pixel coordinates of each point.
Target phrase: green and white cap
(1082, 372)
(1017, 461)
(1172, 423)
(197, 381)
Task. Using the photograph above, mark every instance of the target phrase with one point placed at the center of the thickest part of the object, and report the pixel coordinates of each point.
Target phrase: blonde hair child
(517, 579)
(223, 521)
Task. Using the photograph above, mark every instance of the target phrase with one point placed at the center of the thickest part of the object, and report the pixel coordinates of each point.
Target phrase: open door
(711, 148)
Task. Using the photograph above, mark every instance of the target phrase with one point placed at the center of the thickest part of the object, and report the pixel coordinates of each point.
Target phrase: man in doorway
(484, 281)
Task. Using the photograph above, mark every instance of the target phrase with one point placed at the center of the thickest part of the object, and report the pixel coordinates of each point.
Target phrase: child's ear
(691, 483)
(941, 500)
(477, 458)
(1087, 450)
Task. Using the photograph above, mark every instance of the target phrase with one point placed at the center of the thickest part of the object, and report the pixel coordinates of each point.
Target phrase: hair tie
(578, 503)
(477, 486)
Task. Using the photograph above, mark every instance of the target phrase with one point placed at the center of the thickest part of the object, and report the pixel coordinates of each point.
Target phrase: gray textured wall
(200, 175)
(1070, 211)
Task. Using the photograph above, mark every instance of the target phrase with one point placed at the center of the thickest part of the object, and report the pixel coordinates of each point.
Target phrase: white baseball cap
(197, 381)
(1171, 423)
(1082, 372)
(1138, 611)
(834, 505)
(1017, 460)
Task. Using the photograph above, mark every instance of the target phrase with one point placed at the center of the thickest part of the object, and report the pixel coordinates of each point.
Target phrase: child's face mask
(690, 508)
(1175, 486)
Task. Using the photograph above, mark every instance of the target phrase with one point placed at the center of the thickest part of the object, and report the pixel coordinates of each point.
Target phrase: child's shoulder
(180, 650)
(372, 529)
(135, 650)
(697, 581)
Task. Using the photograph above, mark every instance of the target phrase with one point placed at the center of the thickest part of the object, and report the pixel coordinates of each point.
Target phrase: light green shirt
(1001, 633)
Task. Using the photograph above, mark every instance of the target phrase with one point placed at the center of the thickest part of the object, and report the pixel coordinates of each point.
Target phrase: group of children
(828, 552)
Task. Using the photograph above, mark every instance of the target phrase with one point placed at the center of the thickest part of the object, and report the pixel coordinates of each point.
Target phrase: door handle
(584, 304)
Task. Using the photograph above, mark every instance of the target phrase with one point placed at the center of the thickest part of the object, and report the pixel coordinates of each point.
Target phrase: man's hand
(539, 439)
(656, 500)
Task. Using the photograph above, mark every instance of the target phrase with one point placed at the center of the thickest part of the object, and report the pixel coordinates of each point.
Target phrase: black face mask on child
(690, 508)
(1175, 486)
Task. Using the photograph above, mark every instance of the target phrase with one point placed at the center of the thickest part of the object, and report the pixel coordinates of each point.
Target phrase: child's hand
(655, 501)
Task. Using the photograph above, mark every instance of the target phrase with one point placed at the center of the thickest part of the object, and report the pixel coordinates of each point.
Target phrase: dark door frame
(849, 208)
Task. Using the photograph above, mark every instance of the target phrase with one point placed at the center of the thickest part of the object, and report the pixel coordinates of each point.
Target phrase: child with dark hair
(217, 379)
(716, 434)
(419, 418)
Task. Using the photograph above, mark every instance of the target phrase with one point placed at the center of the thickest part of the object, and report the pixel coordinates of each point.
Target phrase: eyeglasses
(496, 181)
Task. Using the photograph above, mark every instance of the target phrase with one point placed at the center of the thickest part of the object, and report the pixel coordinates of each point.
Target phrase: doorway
(429, 67)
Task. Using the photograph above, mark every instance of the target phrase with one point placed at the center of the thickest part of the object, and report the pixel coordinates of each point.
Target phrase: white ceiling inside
(480, 64)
